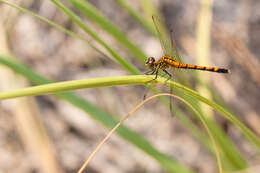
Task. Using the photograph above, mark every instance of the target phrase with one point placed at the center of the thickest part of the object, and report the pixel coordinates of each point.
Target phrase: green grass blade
(96, 16)
(71, 85)
(59, 27)
(134, 138)
(80, 23)
(142, 78)
(121, 61)
(247, 132)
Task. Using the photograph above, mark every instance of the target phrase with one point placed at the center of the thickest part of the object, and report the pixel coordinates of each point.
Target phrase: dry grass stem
(134, 110)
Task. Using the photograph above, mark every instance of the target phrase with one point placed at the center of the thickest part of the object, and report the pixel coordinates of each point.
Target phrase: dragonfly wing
(174, 47)
(168, 46)
(167, 42)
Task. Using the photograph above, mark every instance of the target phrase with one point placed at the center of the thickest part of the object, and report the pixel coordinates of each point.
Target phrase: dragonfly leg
(169, 75)
(156, 71)
(171, 101)
(156, 74)
(149, 73)
(171, 89)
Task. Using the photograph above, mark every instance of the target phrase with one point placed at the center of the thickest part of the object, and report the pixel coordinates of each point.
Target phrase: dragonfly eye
(150, 62)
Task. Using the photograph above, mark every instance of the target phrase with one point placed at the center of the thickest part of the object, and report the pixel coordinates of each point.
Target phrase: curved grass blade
(247, 132)
(132, 137)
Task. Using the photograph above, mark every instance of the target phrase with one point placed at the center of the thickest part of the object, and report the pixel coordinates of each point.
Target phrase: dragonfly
(171, 58)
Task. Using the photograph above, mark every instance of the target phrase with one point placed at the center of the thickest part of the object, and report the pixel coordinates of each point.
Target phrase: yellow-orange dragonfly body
(172, 56)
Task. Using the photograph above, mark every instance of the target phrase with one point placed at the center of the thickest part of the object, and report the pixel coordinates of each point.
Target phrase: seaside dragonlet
(171, 55)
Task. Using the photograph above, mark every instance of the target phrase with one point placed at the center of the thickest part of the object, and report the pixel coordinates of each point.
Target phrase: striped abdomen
(196, 67)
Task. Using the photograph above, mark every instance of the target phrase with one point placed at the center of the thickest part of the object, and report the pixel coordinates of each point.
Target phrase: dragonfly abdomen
(204, 68)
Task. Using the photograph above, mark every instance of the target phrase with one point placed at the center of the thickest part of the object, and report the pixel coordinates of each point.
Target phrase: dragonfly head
(150, 62)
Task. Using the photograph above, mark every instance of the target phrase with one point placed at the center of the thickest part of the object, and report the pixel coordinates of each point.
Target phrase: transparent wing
(167, 42)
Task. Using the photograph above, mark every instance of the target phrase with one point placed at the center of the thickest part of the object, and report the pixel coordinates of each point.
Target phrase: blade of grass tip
(133, 111)
(148, 25)
(247, 132)
(137, 140)
(81, 24)
(97, 17)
